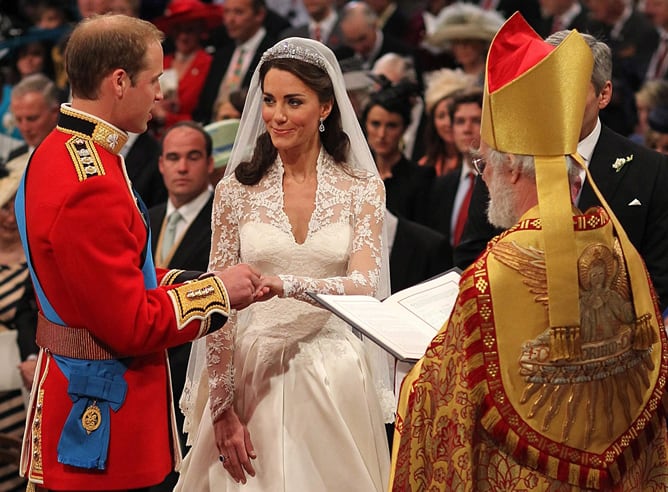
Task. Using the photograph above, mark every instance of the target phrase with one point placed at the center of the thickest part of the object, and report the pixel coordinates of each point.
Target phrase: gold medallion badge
(91, 418)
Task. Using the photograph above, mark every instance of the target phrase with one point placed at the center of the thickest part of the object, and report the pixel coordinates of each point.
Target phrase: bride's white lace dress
(297, 375)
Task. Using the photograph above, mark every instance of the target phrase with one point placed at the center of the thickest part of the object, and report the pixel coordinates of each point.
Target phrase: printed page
(404, 323)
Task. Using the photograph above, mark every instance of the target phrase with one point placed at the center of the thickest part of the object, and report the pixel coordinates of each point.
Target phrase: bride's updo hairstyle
(309, 67)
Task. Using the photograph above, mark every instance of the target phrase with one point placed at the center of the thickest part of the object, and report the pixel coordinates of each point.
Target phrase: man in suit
(452, 192)
(391, 18)
(323, 24)
(632, 179)
(632, 39)
(561, 14)
(34, 104)
(233, 64)
(363, 41)
(185, 163)
(657, 12)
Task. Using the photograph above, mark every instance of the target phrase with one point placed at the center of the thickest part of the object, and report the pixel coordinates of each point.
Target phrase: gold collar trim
(85, 125)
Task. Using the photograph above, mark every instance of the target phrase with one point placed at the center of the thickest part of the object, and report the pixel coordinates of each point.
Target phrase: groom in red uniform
(100, 416)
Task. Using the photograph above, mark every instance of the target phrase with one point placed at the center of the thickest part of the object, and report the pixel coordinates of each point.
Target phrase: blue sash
(95, 386)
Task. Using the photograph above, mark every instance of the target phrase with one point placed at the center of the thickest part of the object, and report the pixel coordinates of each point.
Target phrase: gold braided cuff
(198, 300)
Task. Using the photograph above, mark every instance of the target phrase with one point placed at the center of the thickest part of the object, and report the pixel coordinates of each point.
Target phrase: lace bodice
(340, 255)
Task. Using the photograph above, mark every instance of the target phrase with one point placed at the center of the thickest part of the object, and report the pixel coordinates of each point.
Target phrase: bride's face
(291, 111)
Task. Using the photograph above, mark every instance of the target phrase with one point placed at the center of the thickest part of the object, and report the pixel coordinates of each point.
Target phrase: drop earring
(321, 128)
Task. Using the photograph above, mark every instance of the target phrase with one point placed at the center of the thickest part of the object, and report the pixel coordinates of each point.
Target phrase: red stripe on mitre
(515, 49)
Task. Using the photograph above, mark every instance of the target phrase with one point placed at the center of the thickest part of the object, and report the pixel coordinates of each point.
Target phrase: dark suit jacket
(442, 202)
(579, 22)
(644, 178)
(192, 253)
(142, 166)
(418, 253)
(407, 189)
(631, 54)
(221, 59)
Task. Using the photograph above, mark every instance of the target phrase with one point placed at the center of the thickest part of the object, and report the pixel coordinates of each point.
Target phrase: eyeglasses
(479, 164)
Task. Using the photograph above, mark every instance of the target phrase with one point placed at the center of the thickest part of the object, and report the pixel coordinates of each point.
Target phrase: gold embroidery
(603, 363)
(87, 162)
(103, 134)
(198, 300)
(36, 470)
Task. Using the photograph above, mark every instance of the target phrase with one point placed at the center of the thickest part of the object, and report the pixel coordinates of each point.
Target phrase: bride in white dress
(293, 402)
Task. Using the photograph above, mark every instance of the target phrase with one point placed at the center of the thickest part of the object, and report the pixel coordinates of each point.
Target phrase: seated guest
(184, 22)
(323, 24)
(466, 31)
(451, 193)
(440, 150)
(384, 119)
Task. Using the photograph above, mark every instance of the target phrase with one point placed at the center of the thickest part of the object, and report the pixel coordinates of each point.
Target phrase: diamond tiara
(286, 49)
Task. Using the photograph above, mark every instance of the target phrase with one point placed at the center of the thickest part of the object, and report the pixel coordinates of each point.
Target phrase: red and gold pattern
(461, 425)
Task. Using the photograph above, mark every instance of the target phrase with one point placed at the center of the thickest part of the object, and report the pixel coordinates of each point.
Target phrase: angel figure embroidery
(605, 359)
(604, 295)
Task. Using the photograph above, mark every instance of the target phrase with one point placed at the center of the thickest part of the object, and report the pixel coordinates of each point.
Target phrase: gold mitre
(534, 92)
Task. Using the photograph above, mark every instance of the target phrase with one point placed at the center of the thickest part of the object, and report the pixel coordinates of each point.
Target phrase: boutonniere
(621, 161)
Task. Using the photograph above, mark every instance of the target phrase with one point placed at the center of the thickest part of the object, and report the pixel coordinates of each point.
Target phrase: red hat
(182, 11)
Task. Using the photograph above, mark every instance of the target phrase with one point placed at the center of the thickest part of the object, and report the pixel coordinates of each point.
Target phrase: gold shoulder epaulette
(85, 158)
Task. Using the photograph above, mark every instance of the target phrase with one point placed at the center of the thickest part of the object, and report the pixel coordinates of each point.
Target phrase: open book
(404, 323)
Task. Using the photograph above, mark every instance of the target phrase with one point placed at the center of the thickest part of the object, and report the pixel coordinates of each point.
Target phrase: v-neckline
(286, 218)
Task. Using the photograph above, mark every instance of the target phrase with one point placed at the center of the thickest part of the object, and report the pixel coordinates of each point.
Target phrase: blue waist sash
(96, 387)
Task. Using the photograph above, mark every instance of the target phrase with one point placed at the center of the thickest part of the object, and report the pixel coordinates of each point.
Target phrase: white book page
(404, 323)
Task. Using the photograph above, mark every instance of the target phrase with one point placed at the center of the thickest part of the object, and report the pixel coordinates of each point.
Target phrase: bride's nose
(279, 114)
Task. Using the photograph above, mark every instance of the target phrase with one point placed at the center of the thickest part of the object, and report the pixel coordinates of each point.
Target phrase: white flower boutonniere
(621, 161)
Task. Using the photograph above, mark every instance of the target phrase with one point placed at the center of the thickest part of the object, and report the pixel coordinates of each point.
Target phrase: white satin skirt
(312, 412)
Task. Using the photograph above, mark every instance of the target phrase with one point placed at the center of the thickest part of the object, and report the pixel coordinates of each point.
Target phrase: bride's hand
(234, 445)
(269, 287)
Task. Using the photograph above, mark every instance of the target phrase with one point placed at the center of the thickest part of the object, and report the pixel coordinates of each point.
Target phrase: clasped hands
(245, 285)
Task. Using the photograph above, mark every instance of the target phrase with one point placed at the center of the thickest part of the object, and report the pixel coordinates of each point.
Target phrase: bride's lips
(282, 131)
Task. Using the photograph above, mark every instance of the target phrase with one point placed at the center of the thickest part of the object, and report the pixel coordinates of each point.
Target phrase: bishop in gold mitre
(550, 372)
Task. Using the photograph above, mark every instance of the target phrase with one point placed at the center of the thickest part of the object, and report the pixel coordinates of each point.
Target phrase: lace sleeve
(366, 251)
(220, 344)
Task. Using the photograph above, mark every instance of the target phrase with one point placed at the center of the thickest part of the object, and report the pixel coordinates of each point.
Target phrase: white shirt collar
(587, 144)
(252, 43)
(190, 210)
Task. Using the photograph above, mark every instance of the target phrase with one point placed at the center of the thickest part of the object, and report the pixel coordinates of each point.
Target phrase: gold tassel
(565, 343)
(644, 336)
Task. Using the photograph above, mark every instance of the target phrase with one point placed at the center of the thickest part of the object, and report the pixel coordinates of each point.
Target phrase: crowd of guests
(415, 77)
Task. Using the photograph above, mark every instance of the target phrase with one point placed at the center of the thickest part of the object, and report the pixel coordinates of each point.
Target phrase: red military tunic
(87, 238)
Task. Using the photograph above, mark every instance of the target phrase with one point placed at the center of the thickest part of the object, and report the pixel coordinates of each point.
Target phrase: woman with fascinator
(295, 401)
